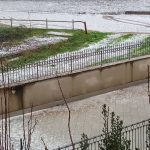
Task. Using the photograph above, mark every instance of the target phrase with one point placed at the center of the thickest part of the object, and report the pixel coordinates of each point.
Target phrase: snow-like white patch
(60, 33)
(138, 37)
(131, 104)
(73, 6)
(132, 39)
(102, 43)
(71, 61)
(109, 41)
(30, 44)
(97, 22)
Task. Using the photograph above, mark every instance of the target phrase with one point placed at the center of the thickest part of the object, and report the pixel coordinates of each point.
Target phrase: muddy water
(74, 6)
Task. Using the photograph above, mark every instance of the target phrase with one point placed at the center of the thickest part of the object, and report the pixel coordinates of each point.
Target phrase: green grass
(122, 38)
(137, 52)
(110, 60)
(143, 50)
(78, 40)
(18, 34)
(126, 36)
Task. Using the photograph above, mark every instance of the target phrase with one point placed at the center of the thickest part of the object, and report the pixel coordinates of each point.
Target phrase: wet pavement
(131, 104)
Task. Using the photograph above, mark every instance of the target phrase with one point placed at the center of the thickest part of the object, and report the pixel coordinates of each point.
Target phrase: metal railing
(67, 63)
(137, 134)
(37, 23)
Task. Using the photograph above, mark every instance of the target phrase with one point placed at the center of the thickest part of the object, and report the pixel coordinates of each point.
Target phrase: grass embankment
(18, 34)
(122, 38)
(143, 50)
(78, 40)
(140, 50)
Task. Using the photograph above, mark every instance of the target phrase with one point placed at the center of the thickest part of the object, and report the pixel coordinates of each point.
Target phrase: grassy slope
(75, 42)
(18, 34)
(122, 38)
(141, 51)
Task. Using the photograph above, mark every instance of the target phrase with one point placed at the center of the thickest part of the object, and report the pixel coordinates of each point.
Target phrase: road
(131, 104)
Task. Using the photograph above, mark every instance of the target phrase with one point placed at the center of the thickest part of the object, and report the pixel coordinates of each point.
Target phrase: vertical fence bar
(129, 56)
(21, 144)
(71, 62)
(85, 27)
(11, 22)
(37, 71)
(148, 130)
(101, 53)
(46, 23)
(72, 24)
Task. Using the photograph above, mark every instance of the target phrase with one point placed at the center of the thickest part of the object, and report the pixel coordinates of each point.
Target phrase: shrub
(112, 130)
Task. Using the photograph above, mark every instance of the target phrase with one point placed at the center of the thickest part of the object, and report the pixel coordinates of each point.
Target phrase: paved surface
(131, 104)
(98, 22)
(90, 11)
(75, 7)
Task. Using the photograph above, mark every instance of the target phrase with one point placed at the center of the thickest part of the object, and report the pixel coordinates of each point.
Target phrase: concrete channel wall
(76, 85)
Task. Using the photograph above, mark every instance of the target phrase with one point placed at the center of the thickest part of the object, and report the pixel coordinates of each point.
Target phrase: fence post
(21, 145)
(46, 23)
(71, 62)
(129, 52)
(101, 58)
(37, 71)
(11, 22)
(72, 24)
(85, 27)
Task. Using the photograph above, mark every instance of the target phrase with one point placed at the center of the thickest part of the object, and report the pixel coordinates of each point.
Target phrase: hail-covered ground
(101, 15)
(131, 104)
(74, 7)
(69, 61)
(29, 44)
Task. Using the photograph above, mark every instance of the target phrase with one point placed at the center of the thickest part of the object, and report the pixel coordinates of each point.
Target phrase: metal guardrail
(68, 63)
(137, 134)
(42, 23)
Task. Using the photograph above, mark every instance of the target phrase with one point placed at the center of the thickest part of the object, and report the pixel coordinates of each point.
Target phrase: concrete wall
(77, 84)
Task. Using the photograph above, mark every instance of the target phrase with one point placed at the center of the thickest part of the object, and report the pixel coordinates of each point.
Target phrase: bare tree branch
(69, 112)
(44, 143)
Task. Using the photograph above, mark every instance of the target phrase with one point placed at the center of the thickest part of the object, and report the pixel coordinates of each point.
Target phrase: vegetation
(126, 36)
(112, 132)
(123, 38)
(14, 34)
(143, 50)
(78, 40)
(84, 142)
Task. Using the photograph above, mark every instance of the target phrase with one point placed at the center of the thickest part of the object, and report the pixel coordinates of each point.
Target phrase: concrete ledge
(77, 85)
(77, 98)
(75, 72)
